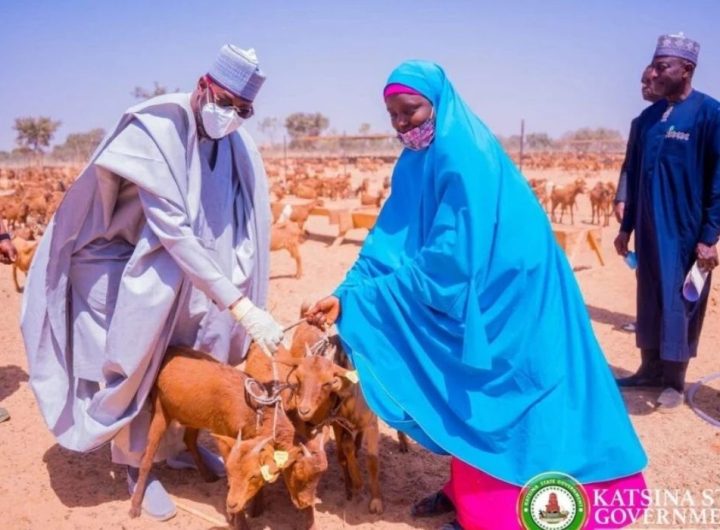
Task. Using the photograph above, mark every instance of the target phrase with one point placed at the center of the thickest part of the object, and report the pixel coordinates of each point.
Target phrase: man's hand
(7, 251)
(621, 243)
(707, 257)
(619, 211)
(326, 311)
(259, 324)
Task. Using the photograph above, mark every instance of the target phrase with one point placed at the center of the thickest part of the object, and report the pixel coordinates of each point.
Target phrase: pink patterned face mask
(421, 136)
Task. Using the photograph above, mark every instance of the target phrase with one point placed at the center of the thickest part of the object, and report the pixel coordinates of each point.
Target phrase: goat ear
(352, 376)
(224, 443)
(337, 383)
(304, 307)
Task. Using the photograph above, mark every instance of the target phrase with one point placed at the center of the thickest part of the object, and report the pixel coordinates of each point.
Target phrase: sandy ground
(46, 486)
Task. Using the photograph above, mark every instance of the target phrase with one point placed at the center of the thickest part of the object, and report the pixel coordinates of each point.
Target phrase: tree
(364, 129)
(35, 133)
(539, 142)
(269, 127)
(301, 124)
(79, 146)
(510, 143)
(158, 90)
(587, 139)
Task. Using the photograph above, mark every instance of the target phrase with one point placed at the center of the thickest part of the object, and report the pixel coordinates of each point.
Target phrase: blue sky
(558, 64)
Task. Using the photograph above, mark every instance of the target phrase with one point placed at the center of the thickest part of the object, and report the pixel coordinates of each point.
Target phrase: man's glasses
(245, 112)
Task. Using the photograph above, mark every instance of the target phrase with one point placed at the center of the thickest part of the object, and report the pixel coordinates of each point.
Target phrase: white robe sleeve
(170, 225)
(133, 150)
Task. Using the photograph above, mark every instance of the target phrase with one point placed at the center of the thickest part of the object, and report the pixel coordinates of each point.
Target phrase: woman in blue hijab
(466, 324)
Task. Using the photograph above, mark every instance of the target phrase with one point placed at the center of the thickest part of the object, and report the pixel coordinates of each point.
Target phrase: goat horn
(238, 440)
(305, 450)
(261, 444)
(330, 352)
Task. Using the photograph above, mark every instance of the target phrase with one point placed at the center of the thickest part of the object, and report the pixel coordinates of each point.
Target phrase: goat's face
(302, 480)
(316, 379)
(250, 465)
(303, 476)
(306, 334)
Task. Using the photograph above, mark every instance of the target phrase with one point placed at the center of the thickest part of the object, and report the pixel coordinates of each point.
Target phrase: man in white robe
(162, 240)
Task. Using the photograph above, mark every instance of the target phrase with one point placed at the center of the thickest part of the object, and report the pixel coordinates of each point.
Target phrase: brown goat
(303, 476)
(200, 393)
(600, 200)
(288, 236)
(367, 199)
(565, 197)
(327, 394)
(25, 252)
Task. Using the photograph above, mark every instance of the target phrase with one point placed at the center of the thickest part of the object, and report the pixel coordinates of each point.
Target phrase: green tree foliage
(78, 146)
(35, 133)
(539, 142)
(301, 124)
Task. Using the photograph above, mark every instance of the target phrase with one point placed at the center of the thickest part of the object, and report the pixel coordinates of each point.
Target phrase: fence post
(284, 159)
(522, 142)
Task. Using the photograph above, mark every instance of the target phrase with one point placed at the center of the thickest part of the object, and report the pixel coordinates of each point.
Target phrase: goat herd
(270, 417)
(602, 198)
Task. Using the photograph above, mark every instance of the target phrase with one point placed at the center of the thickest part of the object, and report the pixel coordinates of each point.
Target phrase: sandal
(435, 504)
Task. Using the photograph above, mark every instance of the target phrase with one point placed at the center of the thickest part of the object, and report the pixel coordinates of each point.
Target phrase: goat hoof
(376, 506)
(134, 512)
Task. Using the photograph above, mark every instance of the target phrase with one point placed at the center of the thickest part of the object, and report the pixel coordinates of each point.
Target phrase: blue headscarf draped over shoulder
(465, 322)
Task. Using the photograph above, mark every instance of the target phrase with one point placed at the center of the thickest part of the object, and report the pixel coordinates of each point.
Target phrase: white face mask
(219, 121)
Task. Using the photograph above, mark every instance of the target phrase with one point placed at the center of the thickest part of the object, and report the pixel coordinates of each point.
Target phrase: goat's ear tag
(266, 475)
(352, 376)
(281, 458)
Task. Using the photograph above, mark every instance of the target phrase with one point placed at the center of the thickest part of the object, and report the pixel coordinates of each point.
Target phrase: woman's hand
(325, 311)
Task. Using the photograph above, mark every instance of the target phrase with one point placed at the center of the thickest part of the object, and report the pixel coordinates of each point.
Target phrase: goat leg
(158, 426)
(307, 519)
(404, 445)
(352, 464)
(295, 254)
(190, 438)
(17, 285)
(373, 451)
(342, 458)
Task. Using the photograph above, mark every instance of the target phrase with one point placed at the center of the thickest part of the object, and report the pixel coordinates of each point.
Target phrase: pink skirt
(486, 503)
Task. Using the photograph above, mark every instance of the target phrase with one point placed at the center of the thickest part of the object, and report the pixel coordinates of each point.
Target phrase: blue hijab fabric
(465, 321)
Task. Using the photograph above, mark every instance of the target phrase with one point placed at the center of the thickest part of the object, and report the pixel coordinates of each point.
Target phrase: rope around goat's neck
(294, 324)
(318, 348)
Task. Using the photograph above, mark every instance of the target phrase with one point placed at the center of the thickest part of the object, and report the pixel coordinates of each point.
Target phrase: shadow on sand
(10, 378)
(86, 480)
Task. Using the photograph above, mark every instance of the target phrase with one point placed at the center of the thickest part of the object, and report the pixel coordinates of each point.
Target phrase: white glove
(259, 324)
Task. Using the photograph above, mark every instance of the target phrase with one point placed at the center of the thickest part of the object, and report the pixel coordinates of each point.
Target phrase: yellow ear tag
(352, 376)
(281, 458)
(266, 475)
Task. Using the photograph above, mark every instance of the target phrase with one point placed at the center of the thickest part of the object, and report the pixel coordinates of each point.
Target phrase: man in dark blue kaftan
(673, 205)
